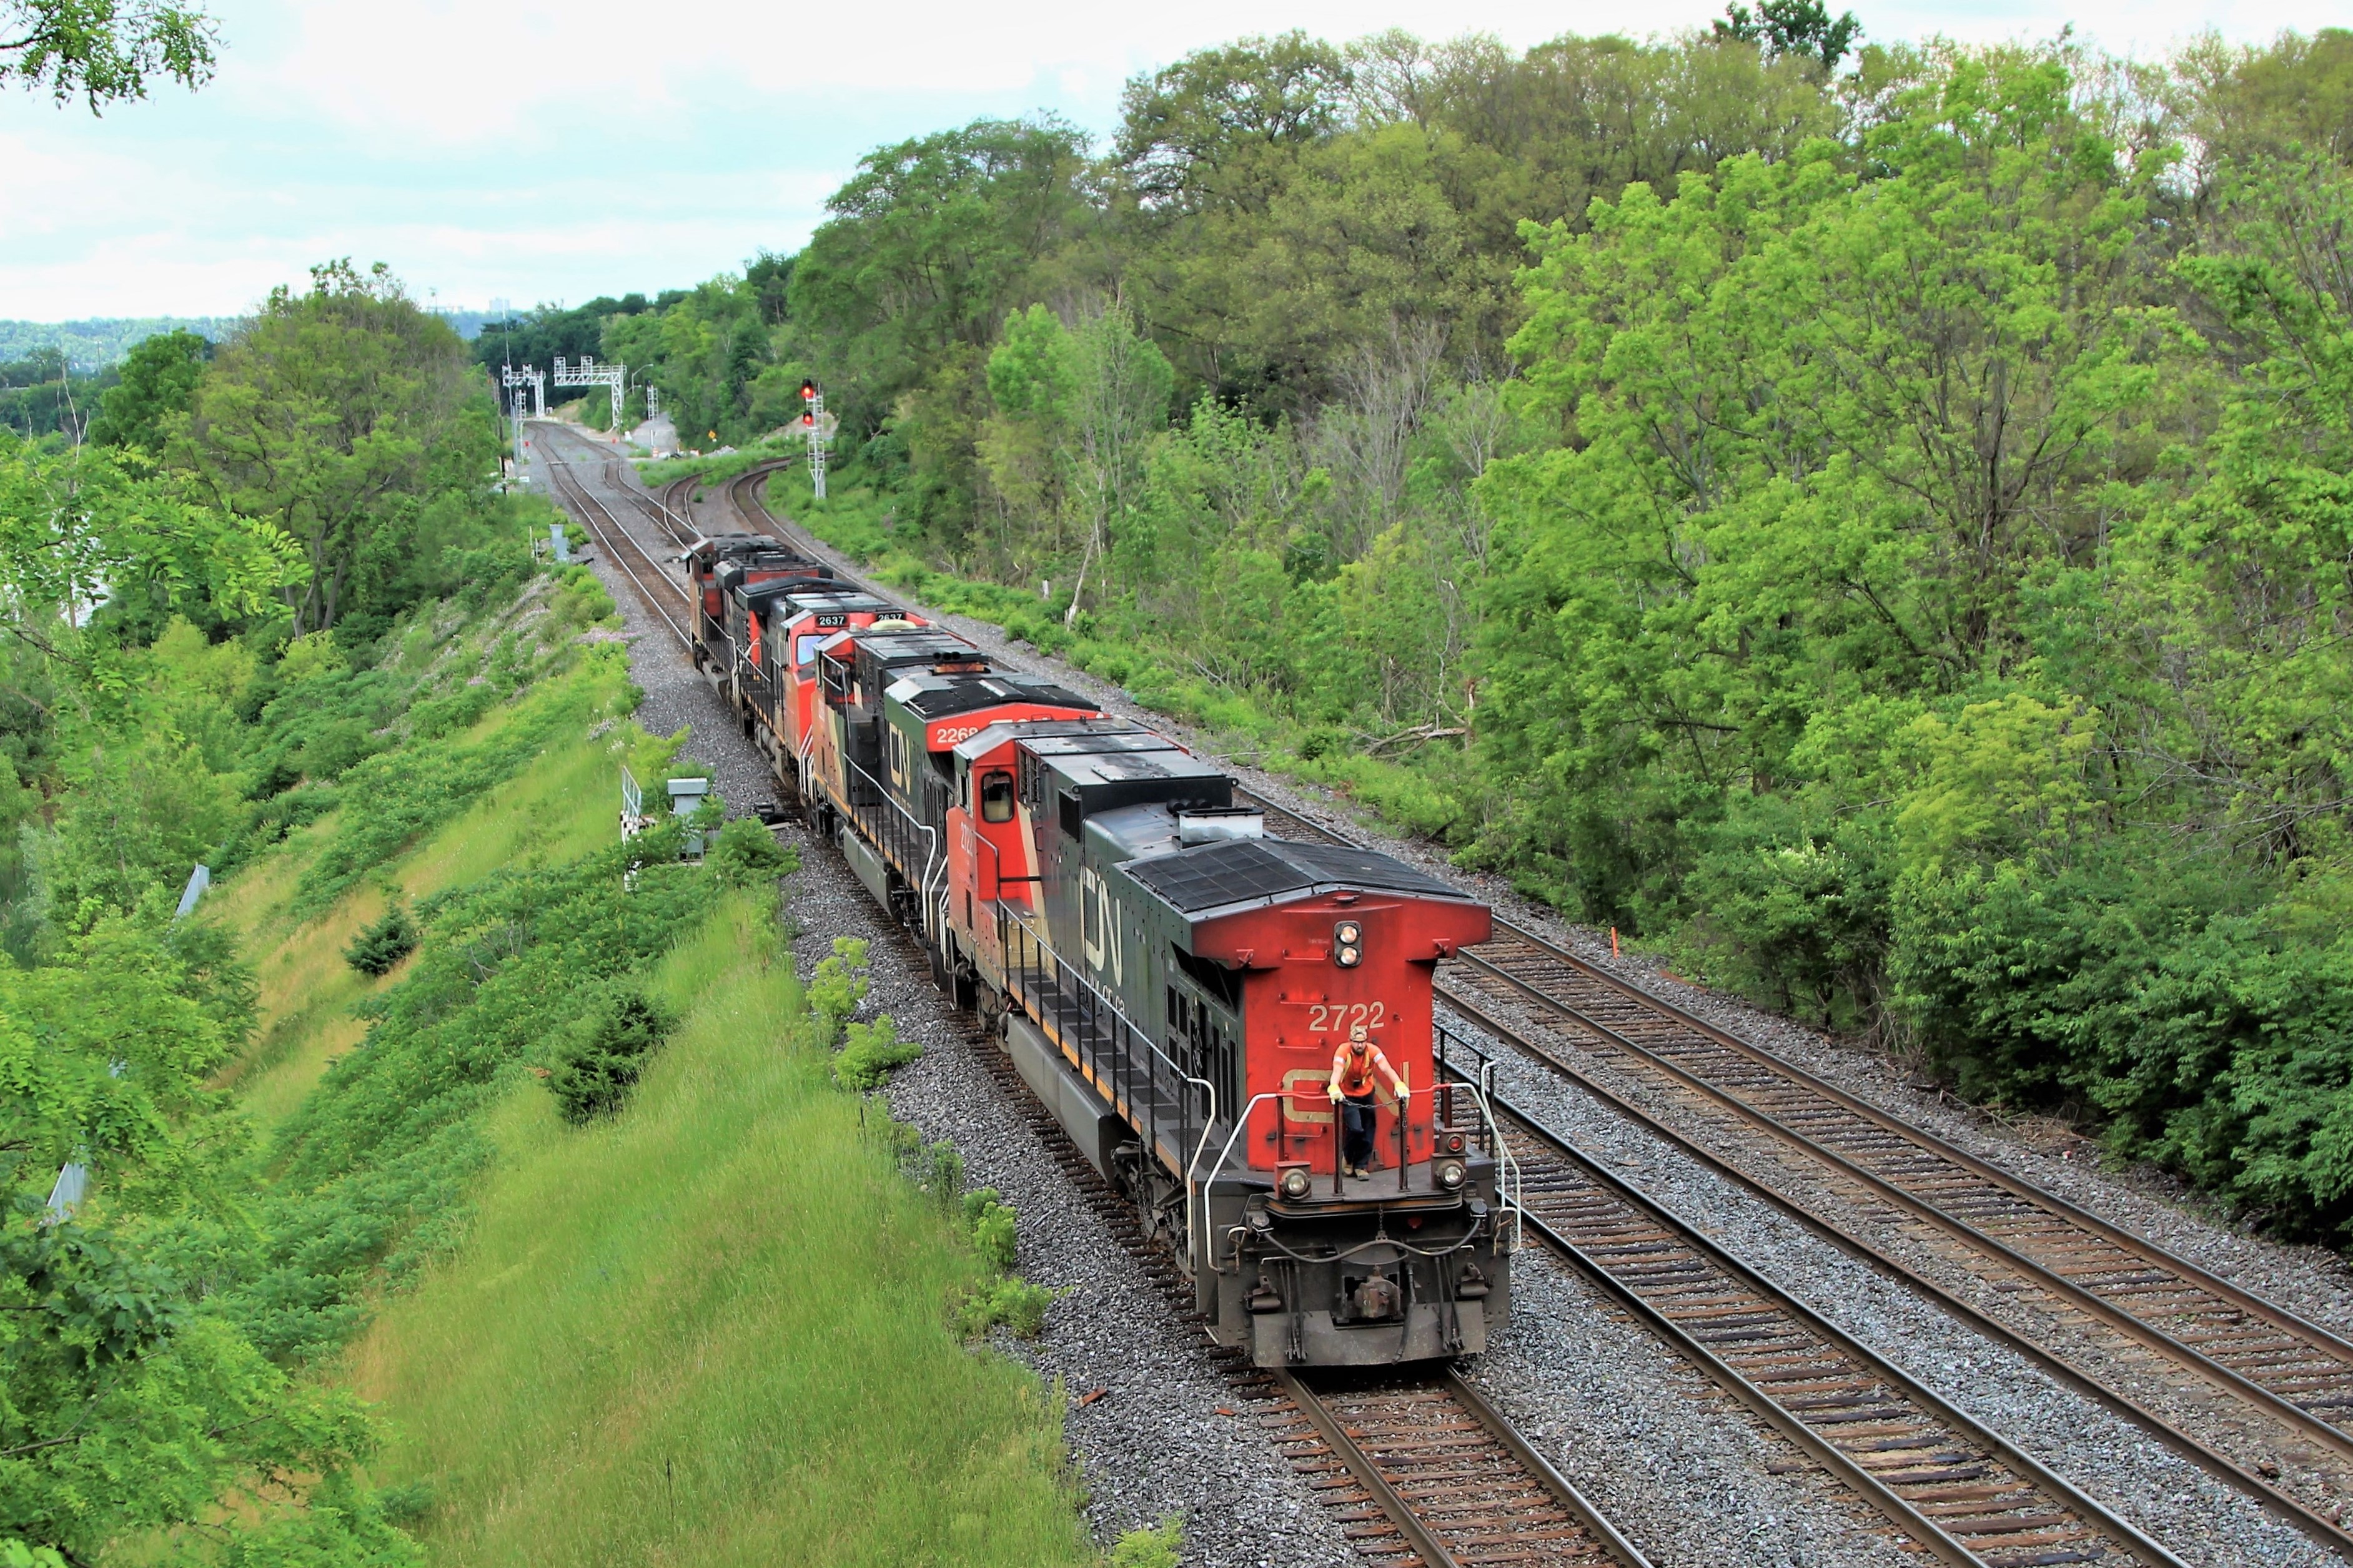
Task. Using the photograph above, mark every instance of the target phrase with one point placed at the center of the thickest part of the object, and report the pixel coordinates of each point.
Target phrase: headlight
(1347, 944)
(1296, 1184)
(1450, 1173)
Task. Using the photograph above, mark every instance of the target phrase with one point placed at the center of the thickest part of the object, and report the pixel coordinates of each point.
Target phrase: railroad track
(1952, 1485)
(1628, 1027)
(1447, 1478)
(659, 594)
(1418, 1472)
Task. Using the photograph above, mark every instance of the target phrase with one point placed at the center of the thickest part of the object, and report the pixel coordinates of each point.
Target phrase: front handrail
(1508, 1188)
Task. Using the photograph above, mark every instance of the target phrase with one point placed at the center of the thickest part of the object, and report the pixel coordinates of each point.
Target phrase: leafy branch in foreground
(101, 50)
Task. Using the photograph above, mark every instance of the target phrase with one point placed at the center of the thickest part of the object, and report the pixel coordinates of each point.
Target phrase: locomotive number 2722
(1339, 1016)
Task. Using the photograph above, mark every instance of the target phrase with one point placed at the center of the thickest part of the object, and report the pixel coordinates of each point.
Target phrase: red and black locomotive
(1173, 984)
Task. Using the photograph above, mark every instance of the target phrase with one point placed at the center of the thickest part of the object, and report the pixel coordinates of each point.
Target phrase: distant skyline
(536, 153)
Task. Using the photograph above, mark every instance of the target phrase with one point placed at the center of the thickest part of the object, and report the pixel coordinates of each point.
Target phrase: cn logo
(1100, 916)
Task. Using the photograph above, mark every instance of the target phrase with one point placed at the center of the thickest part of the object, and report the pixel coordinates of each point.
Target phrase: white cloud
(536, 151)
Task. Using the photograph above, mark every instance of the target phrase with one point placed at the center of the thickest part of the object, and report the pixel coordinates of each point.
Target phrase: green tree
(1800, 28)
(333, 417)
(103, 51)
(159, 379)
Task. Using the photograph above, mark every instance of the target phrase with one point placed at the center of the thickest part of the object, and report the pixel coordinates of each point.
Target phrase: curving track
(662, 595)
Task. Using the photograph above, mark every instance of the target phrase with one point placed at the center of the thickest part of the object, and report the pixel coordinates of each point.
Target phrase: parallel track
(2275, 1360)
(1522, 968)
(1952, 1485)
(659, 594)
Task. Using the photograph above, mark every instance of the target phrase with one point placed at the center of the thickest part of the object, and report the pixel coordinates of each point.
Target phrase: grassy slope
(563, 804)
(672, 1337)
(712, 1332)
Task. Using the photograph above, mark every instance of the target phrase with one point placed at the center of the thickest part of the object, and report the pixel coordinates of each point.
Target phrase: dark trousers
(1357, 1113)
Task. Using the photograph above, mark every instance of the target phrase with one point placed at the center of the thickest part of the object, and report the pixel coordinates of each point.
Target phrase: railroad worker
(1353, 1066)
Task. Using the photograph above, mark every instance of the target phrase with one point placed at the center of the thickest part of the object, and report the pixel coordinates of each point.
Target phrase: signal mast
(815, 421)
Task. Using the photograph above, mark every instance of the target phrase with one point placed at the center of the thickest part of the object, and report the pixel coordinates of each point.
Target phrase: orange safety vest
(1353, 1074)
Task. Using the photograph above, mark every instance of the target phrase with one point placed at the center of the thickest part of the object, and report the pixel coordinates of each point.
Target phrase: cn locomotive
(1171, 983)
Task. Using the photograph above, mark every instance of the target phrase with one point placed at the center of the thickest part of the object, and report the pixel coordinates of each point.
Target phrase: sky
(534, 151)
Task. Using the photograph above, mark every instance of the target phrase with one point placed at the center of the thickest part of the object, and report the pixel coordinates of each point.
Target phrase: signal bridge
(614, 377)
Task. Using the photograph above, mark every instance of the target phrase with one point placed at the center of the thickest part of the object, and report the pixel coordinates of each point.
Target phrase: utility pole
(820, 425)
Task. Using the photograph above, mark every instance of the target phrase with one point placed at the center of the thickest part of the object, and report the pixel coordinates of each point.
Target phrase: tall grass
(714, 1329)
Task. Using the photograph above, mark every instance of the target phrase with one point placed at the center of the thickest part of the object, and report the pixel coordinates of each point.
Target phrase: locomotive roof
(771, 587)
(1005, 730)
(1081, 761)
(1260, 871)
(940, 696)
(729, 543)
(923, 642)
(800, 596)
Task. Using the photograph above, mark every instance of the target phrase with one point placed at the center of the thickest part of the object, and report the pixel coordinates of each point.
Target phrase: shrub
(993, 1232)
(596, 1074)
(1155, 1547)
(872, 1052)
(838, 986)
(1011, 1301)
(744, 853)
(378, 949)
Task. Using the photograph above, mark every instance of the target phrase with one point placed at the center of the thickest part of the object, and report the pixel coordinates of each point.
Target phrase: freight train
(1172, 982)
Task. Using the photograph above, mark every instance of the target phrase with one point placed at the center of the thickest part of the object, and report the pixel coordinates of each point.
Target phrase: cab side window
(996, 796)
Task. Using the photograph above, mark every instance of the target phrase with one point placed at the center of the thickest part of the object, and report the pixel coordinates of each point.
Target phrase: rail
(1899, 1445)
(1455, 1480)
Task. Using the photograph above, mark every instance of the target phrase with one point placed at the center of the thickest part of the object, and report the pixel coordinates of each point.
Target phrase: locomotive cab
(800, 622)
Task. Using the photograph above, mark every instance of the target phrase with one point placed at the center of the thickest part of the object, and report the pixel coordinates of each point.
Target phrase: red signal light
(808, 392)
(809, 419)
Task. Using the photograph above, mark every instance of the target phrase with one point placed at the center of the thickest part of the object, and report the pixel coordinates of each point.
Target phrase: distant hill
(93, 345)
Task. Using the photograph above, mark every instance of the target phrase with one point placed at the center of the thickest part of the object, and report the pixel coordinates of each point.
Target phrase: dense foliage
(1870, 522)
(169, 696)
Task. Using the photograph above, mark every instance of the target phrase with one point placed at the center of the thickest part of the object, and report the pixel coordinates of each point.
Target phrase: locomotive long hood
(1225, 891)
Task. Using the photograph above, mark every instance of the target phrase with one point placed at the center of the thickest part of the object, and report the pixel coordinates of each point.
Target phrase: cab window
(996, 796)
